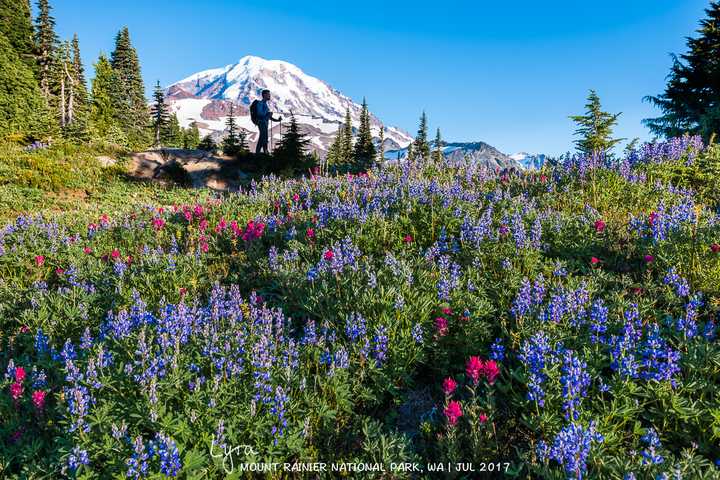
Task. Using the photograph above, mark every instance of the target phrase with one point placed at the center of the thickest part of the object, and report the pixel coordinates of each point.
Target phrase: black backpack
(253, 112)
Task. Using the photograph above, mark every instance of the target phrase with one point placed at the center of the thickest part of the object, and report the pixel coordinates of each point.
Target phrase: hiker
(260, 114)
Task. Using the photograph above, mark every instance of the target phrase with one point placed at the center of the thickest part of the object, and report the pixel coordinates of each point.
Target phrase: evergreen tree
(77, 127)
(437, 153)
(346, 143)
(411, 152)
(334, 153)
(422, 147)
(207, 144)
(23, 110)
(191, 137)
(45, 44)
(691, 100)
(291, 151)
(242, 146)
(172, 135)
(129, 96)
(381, 145)
(159, 114)
(16, 25)
(102, 107)
(595, 128)
(231, 141)
(364, 153)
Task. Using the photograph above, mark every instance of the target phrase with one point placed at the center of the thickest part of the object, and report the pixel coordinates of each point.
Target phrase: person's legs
(263, 138)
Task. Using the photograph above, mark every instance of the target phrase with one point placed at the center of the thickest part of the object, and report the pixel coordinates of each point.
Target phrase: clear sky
(508, 73)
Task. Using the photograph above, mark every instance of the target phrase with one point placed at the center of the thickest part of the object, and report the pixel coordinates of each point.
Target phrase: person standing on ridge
(260, 114)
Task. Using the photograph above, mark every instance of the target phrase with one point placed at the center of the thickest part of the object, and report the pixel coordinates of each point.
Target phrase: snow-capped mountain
(205, 98)
(529, 161)
(479, 152)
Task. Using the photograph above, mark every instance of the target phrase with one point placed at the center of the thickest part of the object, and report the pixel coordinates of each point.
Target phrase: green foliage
(191, 136)
(421, 146)
(128, 94)
(437, 155)
(234, 143)
(46, 41)
(291, 153)
(23, 111)
(208, 144)
(595, 128)
(364, 153)
(103, 116)
(159, 114)
(691, 100)
(16, 26)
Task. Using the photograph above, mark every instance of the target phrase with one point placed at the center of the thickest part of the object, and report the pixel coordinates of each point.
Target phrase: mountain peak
(205, 98)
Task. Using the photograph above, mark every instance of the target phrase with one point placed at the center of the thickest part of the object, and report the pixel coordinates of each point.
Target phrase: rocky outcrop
(193, 168)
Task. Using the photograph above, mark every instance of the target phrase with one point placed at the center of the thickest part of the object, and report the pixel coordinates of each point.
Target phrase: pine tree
(595, 128)
(346, 143)
(437, 153)
(16, 25)
(291, 151)
(207, 144)
(191, 137)
(410, 152)
(45, 44)
(77, 128)
(364, 153)
(231, 142)
(333, 157)
(172, 135)
(159, 114)
(129, 97)
(422, 147)
(381, 145)
(242, 146)
(691, 100)
(23, 110)
(103, 118)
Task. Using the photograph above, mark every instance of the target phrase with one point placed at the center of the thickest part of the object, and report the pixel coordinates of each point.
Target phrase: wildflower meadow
(552, 324)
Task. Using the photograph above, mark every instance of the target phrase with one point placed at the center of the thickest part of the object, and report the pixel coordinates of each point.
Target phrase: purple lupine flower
(497, 350)
(571, 448)
(598, 321)
(417, 333)
(575, 381)
(381, 344)
(166, 450)
(76, 458)
(138, 462)
(650, 456)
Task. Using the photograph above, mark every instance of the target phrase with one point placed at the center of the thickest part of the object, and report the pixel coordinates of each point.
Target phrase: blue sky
(507, 73)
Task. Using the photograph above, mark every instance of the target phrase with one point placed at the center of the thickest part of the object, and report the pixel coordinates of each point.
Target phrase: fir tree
(102, 107)
(129, 96)
(77, 127)
(410, 152)
(207, 144)
(23, 110)
(172, 135)
(16, 25)
(334, 153)
(595, 128)
(691, 100)
(346, 143)
(242, 146)
(231, 142)
(159, 114)
(422, 147)
(45, 44)
(291, 151)
(191, 136)
(437, 152)
(364, 153)
(381, 145)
